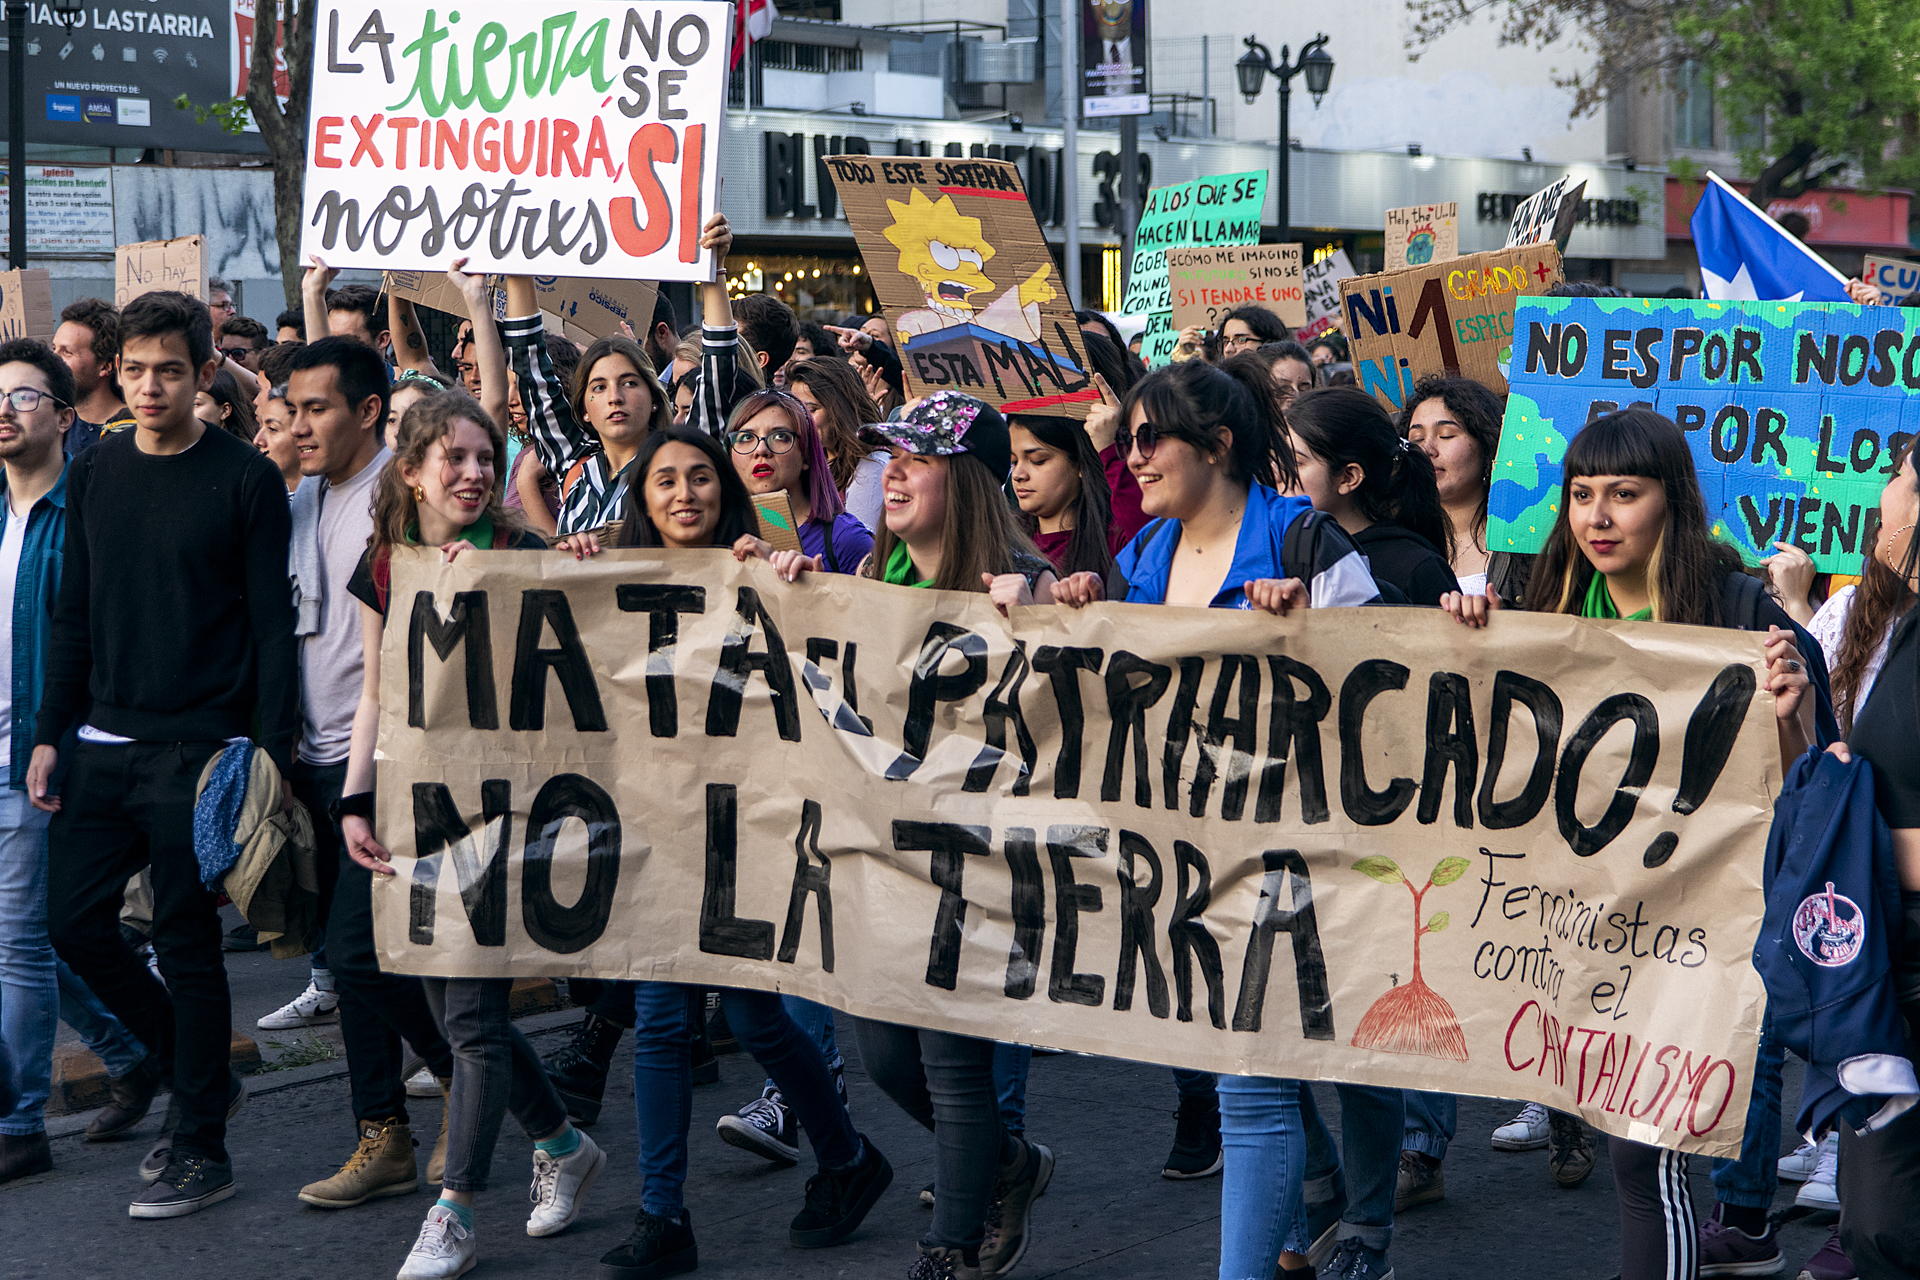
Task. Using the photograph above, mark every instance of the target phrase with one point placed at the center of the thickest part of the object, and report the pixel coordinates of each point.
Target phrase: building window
(1693, 108)
(781, 55)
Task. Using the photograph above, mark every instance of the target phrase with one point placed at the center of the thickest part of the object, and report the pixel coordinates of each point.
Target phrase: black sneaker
(187, 1185)
(1010, 1212)
(243, 938)
(1196, 1142)
(764, 1127)
(836, 1202)
(657, 1247)
(1569, 1149)
(160, 1155)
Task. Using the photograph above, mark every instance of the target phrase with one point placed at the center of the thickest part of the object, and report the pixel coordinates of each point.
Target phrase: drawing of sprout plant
(1414, 1019)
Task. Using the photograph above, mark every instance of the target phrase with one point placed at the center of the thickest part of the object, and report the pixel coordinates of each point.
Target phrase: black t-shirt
(369, 583)
(1886, 732)
(1406, 561)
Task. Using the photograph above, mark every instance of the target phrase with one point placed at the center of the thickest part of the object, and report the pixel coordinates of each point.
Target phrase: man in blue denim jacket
(36, 989)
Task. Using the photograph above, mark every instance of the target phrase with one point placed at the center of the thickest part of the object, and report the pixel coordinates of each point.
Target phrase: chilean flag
(1746, 254)
(752, 20)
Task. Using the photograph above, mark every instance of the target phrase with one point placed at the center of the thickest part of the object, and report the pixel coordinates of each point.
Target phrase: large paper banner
(1794, 411)
(1206, 211)
(1452, 317)
(1422, 233)
(1208, 283)
(535, 140)
(1322, 294)
(966, 281)
(1364, 845)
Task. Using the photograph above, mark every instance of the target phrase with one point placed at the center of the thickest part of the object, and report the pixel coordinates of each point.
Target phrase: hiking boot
(579, 1069)
(1010, 1212)
(1421, 1181)
(444, 1248)
(764, 1127)
(1729, 1251)
(1196, 1141)
(1354, 1261)
(935, 1263)
(160, 1155)
(22, 1155)
(1525, 1132)
(437, 1162)
(838, 1200)
(310, 1008)
(658, 1247)
(560, 1183)
(1818, 1191)
(382, 1165)
(1569, 1150)
(1830, 1263)
(187, 1185)
(128, 1098)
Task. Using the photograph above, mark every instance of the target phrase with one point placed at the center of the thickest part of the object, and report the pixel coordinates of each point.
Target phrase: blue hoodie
(1334, 570)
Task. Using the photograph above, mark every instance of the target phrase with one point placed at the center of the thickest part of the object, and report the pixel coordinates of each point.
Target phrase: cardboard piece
(1792, 411)
(429, 289)
(1421, 234)
(153, 265)
(1895, 277)
(1208, 283)
(1204, 212)
(1452, 317)
(596, 308)
(1547, 216)
(775, 512)
(1321, 294)
(26, 305)
(606, 168)
(695, 787)
(966, 281)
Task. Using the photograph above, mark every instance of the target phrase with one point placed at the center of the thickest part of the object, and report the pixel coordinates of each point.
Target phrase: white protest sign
(1895, 277)
(1321, 293)
(1546, 216)
(575, 143)
(1422, 233)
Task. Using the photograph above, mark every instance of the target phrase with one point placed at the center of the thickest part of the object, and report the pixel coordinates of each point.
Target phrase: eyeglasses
(27, 399)
(237, 354)
(1147, 439)
(1239, 340)
(778, 440)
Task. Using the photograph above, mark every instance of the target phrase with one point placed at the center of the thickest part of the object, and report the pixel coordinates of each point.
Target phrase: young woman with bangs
(833, 392)
(1632, 541)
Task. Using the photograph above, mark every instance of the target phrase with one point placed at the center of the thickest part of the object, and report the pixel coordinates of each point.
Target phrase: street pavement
(1108, 1214)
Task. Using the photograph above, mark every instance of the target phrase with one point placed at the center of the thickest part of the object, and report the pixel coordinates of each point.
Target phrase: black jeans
(377, 1010)
(124, 807)
(495, 1072)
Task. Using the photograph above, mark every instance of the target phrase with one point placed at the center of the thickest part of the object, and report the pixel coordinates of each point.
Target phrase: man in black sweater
(173, 635)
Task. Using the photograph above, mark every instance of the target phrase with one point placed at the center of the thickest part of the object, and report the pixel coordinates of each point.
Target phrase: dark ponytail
(1192, 400)
(1087, 549)
(1346, 426)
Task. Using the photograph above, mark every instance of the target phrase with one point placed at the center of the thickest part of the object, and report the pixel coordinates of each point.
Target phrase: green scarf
(478, 535)
(899, 568)
(1599, 603)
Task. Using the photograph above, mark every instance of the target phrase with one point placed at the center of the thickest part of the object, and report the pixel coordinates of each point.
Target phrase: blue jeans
(1010, 1065)
(665, 1014)
(816, 1023)
(1372, 1122)
(1432, 1120)
(36, 987)
(1750, 1181)
(1261, 1211)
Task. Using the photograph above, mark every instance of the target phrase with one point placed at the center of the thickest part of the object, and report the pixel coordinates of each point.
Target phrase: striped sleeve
(713, 400)
(558, 440)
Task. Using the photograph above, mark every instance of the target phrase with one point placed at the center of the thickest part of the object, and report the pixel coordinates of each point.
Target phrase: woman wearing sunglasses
(777, 449)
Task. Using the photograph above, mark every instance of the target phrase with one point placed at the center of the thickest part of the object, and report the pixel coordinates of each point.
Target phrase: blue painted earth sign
(1794, 412)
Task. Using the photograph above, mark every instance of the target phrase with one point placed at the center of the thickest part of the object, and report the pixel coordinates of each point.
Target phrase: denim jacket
(34, 592)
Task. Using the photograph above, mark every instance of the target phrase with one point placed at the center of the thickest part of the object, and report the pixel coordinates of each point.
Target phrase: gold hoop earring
(419, 494)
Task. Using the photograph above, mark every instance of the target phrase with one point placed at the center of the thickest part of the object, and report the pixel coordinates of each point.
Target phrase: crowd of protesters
(237, 638)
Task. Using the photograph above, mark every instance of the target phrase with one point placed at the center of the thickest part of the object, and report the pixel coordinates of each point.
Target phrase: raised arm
(713, 400)
(488, 352)
(559, 439)
(409, 342)
(313, 296)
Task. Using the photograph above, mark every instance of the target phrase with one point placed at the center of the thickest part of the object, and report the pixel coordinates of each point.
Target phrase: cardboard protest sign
(1422, 233)
(1206, 211)
(426, 289)
(1473, 878)
(26, 305)
(597, 307)
(1794, 411)
(1452, 317)
(153, 265)
(775, 514)
(1207, 283)
(1547, 216)
(966, 281)
(1321, 294)
(579, 144)
(1895, 277)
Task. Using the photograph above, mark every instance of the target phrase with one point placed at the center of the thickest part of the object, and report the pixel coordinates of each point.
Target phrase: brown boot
(382, 1165)
(24, 1154)
(437, 1162)
(128, 1098)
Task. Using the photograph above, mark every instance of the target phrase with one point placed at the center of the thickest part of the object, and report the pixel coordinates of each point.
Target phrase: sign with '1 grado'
(1365, 845)
(532, 140)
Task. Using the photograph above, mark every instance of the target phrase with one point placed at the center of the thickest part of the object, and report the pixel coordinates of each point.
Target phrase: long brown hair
(428, 420)
(620, 345)
(1092, 507)
(980, 534)
(845, 407)
(1882, 596)
(1688, 564)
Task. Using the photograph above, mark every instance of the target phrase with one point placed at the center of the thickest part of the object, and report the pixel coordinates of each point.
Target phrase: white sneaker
(1525, 1132)
(560, 1185)
(421, 1084)
(1799, 1166)
(445, 1248)
(1818, 1191)
(309, 1007)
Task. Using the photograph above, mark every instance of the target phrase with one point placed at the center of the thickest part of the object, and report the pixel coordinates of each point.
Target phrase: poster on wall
(69, 208)
(966, 280)
(603, 166)
(1113, 59)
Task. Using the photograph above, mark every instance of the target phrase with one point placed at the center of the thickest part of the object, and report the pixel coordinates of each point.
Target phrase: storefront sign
(1113, 59)
(416, 158)
(785, 164)
(69, 209)
(1794, 411)
(1207, 211)
(1494, 206)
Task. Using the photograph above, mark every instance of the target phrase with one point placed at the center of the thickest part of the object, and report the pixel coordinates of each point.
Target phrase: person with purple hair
(776, 448)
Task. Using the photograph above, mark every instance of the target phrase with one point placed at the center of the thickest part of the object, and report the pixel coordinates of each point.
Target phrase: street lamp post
(1252, 70)
(68, 12)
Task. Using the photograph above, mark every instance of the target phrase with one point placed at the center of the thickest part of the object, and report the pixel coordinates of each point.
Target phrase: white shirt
(1829, 625)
